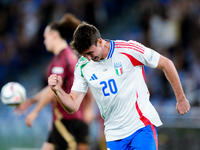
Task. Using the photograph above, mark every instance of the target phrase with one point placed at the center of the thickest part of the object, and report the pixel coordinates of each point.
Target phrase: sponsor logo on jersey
(118, 68)
(93, 77)
(57, 70)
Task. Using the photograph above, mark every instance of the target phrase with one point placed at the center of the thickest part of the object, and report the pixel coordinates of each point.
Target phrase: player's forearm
(37, 97)
(172, 76)
(67, 101)
(45, 96)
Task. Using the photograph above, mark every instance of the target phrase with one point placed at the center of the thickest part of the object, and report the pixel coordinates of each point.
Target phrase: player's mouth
(96, 58)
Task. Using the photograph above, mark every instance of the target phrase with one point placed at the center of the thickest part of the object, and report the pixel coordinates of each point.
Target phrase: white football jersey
(118, 85)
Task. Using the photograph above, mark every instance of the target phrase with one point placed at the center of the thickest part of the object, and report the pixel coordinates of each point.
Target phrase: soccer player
(69, 130)
(114, 71)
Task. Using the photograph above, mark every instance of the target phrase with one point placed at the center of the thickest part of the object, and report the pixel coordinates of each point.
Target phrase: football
(13, 94)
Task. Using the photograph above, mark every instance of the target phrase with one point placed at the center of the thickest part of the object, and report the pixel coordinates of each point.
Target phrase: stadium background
(171, 27)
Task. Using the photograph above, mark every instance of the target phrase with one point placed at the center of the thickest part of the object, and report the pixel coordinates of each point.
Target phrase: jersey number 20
(111, 85)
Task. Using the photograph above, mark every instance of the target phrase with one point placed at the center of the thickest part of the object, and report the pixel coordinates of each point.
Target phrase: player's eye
(89, 53)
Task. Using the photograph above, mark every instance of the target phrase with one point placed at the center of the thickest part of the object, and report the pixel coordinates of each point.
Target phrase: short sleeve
(151, 57)
(145, 55)
(80, 84)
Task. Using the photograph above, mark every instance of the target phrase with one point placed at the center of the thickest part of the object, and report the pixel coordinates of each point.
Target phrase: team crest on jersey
(118, 68)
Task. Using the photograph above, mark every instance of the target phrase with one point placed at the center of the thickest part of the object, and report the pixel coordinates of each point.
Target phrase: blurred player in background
(114, 71)
(69, 131)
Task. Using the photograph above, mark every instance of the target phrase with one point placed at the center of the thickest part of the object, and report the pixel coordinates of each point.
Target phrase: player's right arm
(70, 102)
(42, 98)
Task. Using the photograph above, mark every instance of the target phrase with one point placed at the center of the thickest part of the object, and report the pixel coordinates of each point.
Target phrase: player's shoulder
(82, 61)
(124, 42)
(135, 42)
(119, 41)
(68, 51)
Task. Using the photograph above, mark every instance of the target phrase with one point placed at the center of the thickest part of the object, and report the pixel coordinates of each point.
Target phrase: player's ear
(99, 42)
(55, 34)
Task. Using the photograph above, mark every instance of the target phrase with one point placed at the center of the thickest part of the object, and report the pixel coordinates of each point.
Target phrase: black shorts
(68, 133)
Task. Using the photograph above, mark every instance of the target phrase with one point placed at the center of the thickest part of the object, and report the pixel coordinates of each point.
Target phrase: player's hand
(22, 108)
(183, 106)
(30, 118)
(55, 82)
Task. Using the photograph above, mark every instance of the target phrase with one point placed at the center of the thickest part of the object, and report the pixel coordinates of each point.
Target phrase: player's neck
(106, 48)
(61, 45)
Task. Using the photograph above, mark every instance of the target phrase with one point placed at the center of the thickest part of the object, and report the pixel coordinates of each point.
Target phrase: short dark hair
(84, 36)
(65, 26)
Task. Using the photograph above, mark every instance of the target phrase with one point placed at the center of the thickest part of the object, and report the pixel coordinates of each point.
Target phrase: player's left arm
(171, 74)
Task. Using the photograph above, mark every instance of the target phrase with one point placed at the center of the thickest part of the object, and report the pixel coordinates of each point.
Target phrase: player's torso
(109, 80)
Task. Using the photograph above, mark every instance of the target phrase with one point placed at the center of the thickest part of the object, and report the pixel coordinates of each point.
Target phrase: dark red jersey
(64, 64)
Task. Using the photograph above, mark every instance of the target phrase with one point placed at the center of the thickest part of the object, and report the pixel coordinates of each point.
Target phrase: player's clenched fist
(55, 82)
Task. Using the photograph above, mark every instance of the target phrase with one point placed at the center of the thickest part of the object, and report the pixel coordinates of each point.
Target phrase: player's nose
(88, 57)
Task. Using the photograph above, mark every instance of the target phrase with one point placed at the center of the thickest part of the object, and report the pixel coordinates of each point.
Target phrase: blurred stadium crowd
(171, 27)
